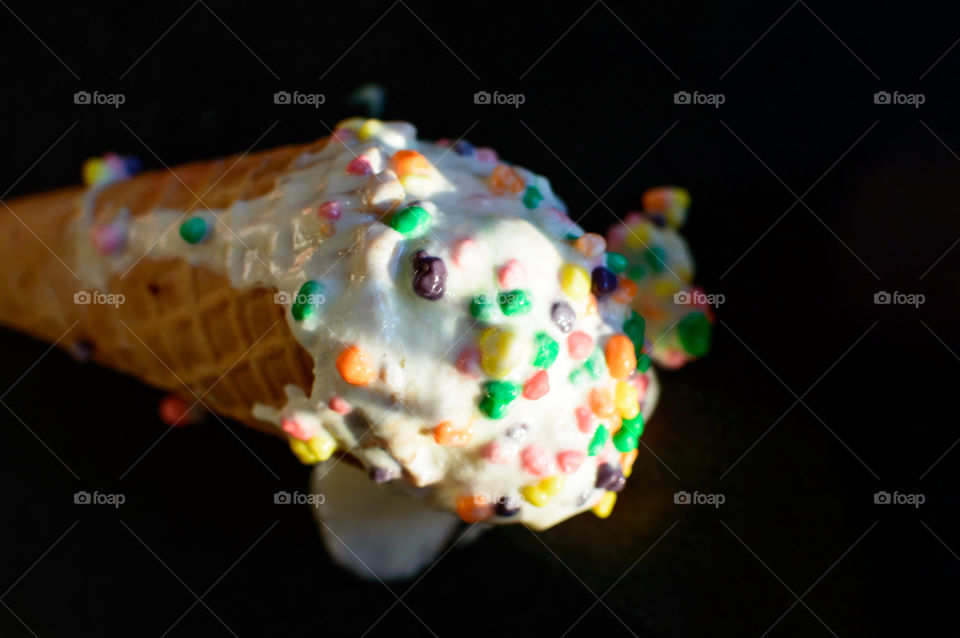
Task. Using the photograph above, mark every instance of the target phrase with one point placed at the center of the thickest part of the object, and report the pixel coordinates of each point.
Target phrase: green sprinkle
(570, 237)
(694, 333)
(643, 363)
(481, 307)
(634, 425)
(514, 302)
(599, 439)
(410, 220)
(547, 350)
(624, 440)
(636, 273)
(616, 262)
(194, 230)
(595, 364)
(634, 327)
(578, 376)
(656, 258)
(497, 397)
(532, 197)
(308, 300)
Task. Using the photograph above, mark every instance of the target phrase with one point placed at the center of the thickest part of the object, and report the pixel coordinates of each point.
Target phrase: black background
(878, 210)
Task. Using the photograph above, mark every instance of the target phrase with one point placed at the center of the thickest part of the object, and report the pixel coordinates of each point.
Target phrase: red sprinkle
(359, 166)
(339, 405)
(175, 411)
(329, 210)
(570, 461)
(579, 345)
(512, 275)
(297, 429)
(584, 420)
(468, 363)
(536, 386)
(535, 460)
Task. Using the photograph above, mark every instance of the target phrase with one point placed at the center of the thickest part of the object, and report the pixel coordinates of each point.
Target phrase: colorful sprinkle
(694, 333)
(546, 350)
(634, 328)
(514, 302)
(625, 398)
(468, 363)
(600, 437)
(590, 245)
(195, 230)
(499, 453)
(464, 148)
(409, 162)
(497, 397)
(487, 155)
(512, 274)
(370, 128)
(500, 351)
(429, 276)
(534, 495)
(534, 460)
(575, 281)
(604, 506)
(569, 461)
(354, 366)
(643, 363)
(637, 272)
(610, 477)
(482, 307)
(507, 507)
(302, 427)
(616, 262)
(602, 282)
(474, 508)
(594, 365)
(505, 181)
(601, 402)
(446, 434)
(410, 220)
(175, 411)
(340, 405)
(624, 440)
(532, 197)
(620, 357)
(553, 485)
(579, 345)
(670, 201)
(359, 166)
(626, 462)
(330, 210)
(464, 251)
(563, 316)
(656, 258)
(319, 448)
(536, 386)
(625, 292)
(584, 419)
(110, 238)
(308, 300)
(634, 425)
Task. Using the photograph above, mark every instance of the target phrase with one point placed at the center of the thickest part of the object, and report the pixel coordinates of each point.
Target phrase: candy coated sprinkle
(672, 202)
(370, 128)
(447, 434)
(517, 432)
(354, 366)
(584, 420)
(602, 282)
(359, 166)
(634, 327)
(552, 485)
(579, 345)
(109, 239)
(474, 507)
(195, 230)
(694, 333)
(563, 316)
(464, 148)
(409, 162)
(604, 506)
(535, 460)
(302, 429)
(505, 181)
(609, 477)
(487, 155)
(339, 405)
(500, 351)
(468, 363)
(482, 307)
(569, 461)
(532, 197)
(640, 382)
(637, 272)
(410, 220)
(308, 300)
(498, 453)
(534, 495)
(624, 440)
(616, 262)
(514, 302)
(590, 245)
(174, 411)
(497, 397)
(656, 258)
(625, 397)
(464, 251)
(575, 281)
(578, 376)
(512, 274)
(601, 403)
(643, 363)
(634, 425)
(620, 357)
(379, 474)
(594, 365)
(536, 386)
(507, 507)
(546, 348)
(625, 292)
(626, 462)
(319, 448)
(599, 439)
(429, 276)
(329, 210)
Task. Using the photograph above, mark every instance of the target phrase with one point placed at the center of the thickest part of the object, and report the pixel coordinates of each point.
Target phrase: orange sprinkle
(410, 163)
(625, 292)
(474, 507)
(354, 365)
(504, 181)
(590, 245)
(621, 358)
(626, 461)
(601, 402)
(591, 308)
(446, 434)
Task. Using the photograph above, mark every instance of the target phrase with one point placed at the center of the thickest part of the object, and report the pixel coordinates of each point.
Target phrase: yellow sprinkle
(535, 496)
(500, 352)
(319, 448)
(575, 281)
(626, 400)
(638, 236)
(94, 170)
(552, 485)
(417, 184)
(667, 288)
(626, 461)
(603, 508)
(369, 129)
(351, 124)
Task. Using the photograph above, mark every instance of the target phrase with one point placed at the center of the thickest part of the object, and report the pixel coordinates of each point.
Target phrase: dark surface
(879, 208)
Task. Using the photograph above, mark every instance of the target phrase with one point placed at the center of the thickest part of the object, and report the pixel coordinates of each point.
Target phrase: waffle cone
(181, 328)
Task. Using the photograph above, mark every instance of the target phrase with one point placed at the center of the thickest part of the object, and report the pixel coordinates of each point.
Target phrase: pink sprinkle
(536, 386)
(464, 251)
(584, 420)
(359, 166)
(498, 453)
(298, 429)
(330, 210)
(468, 363)
(176, 412)
(640, 383)
(339, 405)
(512, 274)
(535, 460)
(109, 239)
(486, 154)
(443, 141)
(344, 135)
(570, 461)
(579, 345)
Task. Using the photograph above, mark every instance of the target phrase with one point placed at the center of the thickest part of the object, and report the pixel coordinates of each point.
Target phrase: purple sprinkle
(429, 276)
(603, 282)
(381, 474)
(610, 477)
(507, 506)
(563, 316)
